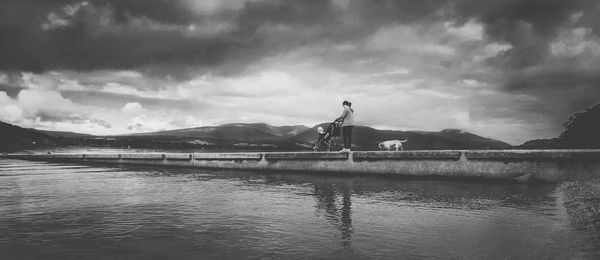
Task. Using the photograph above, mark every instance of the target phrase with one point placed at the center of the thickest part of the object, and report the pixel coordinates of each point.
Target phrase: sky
(512, 70)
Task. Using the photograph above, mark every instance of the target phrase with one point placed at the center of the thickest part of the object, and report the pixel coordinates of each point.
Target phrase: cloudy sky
(513, 70)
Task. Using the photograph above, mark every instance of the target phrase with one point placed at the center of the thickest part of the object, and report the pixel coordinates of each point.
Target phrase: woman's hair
(346, 103)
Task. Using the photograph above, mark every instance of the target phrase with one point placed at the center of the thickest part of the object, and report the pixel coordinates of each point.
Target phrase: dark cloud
(554, 79)
(527, 25)
(102, 36)
(590, 17)
(572, 89)
(107, 34)
(309, 12)
(11, 83)
(529, 67)
(165, 11)
(502, 17)
(391, 11)
(10, 90)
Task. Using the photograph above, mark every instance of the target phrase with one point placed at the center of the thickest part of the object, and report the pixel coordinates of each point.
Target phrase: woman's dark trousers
(347, 136)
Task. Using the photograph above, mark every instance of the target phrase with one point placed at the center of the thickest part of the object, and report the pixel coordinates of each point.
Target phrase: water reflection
(438, 194)
(147, 212)
(334, 195)
(338, 213)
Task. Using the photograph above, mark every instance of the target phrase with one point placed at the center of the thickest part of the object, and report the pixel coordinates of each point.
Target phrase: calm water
(62, 211)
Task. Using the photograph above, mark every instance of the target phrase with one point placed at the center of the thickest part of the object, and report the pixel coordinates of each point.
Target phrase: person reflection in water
(339, 216)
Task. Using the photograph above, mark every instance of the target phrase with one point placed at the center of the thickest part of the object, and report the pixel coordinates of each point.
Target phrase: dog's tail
(404, 141)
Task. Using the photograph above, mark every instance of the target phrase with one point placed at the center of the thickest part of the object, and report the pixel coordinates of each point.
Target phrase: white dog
(387, 145)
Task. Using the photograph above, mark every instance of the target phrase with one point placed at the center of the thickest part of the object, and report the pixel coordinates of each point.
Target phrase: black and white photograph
(299, 129)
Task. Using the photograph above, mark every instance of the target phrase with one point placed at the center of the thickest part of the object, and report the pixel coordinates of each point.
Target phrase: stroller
(325, 141)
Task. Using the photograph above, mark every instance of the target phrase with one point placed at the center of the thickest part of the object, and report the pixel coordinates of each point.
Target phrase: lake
(71, 211)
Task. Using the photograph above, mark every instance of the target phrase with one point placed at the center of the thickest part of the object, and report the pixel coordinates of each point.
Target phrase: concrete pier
(515, 165)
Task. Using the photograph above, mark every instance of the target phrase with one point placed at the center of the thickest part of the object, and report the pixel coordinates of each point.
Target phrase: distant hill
(13, 137)
(63, 134)
(552, 143)
(367, 138)
(258, 132)
(257, 136)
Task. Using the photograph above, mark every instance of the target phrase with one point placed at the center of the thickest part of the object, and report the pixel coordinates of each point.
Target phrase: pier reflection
(331, 191)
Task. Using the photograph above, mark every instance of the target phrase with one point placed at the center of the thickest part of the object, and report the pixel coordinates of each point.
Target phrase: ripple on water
(75, 211)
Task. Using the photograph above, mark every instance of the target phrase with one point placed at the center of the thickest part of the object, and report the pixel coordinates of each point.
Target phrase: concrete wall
(519, 165)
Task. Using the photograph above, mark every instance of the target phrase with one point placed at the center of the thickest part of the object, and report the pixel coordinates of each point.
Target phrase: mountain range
(256, 136)
(13, 137)
(368, 138)
(259, 132)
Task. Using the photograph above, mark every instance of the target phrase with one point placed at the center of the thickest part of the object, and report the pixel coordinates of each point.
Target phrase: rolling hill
(364, 138)
(367, 138)
(258, 132)
(13, 137)
(245, 136)
(63, 134)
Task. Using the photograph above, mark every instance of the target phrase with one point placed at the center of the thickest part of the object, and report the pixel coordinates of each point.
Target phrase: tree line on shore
(581, 131)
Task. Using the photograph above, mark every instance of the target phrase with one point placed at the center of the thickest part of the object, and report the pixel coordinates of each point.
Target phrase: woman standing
(347, 119)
